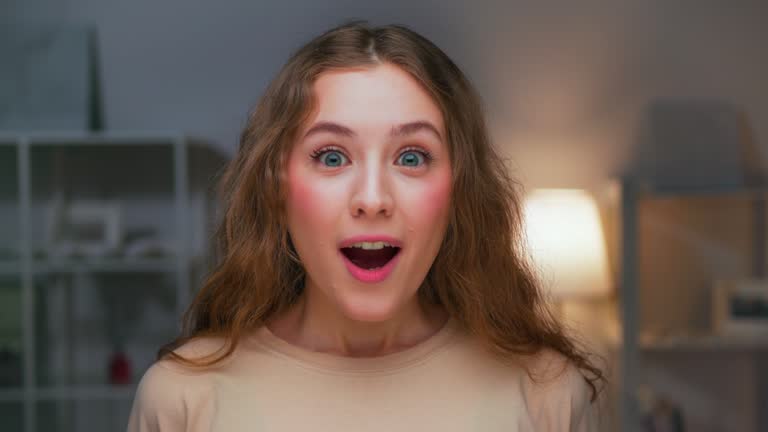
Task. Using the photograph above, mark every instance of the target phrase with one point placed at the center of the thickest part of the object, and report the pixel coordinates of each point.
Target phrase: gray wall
(564, 82)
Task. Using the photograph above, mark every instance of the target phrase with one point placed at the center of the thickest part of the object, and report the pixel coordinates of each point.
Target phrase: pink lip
(371, 238)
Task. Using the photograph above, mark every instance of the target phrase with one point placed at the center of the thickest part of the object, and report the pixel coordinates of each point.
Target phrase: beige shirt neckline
(339, 364)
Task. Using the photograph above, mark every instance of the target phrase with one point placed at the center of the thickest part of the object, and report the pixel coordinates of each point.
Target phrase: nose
(372, 196)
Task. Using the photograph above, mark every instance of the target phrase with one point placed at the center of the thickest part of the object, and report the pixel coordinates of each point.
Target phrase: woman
(371, 275)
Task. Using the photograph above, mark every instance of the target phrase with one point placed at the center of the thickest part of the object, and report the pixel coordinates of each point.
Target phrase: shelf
(112, 265)
(63, 311)
(674, 242)
(656, 191)
(69, 393)
(706, 343)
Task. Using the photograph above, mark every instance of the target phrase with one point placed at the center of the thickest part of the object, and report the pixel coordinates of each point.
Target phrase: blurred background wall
(564, 82)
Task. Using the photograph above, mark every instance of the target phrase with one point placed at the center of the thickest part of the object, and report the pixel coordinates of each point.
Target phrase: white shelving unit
(674, 241)
(66, 316)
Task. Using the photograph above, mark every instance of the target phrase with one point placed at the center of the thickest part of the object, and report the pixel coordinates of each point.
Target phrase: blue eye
(331, 158)
(412, 158)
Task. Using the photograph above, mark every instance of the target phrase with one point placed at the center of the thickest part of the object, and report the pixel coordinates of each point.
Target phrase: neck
(312, 324)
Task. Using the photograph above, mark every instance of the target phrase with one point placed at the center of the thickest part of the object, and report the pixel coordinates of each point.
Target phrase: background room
(648, 119)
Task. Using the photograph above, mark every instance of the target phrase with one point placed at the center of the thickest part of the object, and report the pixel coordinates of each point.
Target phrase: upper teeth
(371, 245)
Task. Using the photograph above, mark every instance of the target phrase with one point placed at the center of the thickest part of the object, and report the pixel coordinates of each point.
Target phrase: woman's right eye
(330, 158)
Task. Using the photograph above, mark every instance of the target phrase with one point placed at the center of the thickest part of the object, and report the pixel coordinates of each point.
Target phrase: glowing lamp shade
(566, 242)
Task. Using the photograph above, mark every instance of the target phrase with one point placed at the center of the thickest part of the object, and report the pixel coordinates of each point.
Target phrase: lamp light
(567, 243)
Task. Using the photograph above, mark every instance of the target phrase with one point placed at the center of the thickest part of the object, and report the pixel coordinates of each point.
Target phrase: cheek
(438, 198)
(311, 207)
(302, 199)
(429, 205)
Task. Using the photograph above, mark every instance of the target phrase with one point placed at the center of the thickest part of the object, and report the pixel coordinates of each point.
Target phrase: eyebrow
(396, 131)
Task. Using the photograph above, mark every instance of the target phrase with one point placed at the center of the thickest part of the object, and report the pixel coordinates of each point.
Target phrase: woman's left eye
(413, 158)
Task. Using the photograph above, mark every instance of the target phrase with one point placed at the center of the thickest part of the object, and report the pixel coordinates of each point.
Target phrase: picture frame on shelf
(740, 307)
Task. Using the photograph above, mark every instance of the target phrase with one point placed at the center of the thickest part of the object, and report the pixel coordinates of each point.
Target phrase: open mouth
(370, 259)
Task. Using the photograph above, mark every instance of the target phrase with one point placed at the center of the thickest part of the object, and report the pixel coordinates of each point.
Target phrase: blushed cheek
(311, 209)
(432, 202)
(300, 196)
(307, 203)
(440, 197)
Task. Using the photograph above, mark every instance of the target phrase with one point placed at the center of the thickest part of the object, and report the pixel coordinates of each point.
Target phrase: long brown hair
(481, 275)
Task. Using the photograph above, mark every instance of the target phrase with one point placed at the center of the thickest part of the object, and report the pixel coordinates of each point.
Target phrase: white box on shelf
(91, 228)
(740, 307)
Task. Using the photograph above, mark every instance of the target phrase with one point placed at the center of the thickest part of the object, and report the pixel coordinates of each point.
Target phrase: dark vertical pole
(761, 370)
(758, 242)
(629, 307)
(758, 269)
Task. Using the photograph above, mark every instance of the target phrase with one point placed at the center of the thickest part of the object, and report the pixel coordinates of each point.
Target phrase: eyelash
(315, 156)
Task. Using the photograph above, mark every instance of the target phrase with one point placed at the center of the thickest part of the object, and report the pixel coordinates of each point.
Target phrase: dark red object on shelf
(119, 369)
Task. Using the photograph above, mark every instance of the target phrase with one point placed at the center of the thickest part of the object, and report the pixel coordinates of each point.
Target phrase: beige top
(445, 383)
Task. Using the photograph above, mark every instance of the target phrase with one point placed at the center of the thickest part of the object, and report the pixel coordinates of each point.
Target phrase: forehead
(372, 97)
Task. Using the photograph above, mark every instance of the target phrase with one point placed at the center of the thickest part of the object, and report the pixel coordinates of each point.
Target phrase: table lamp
(567, 243)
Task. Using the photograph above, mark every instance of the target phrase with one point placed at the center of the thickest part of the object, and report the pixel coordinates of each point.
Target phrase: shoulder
(168, 390)
(159, 403)
(557, 395)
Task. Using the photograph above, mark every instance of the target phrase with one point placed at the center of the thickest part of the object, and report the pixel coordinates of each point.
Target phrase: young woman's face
(371, 165)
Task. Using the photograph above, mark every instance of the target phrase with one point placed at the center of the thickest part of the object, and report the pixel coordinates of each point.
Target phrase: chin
(369, 309)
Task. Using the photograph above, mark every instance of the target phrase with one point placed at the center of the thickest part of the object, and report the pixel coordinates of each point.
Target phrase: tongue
(367, 258)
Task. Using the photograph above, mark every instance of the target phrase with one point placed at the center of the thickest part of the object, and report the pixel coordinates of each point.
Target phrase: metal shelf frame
(27, 267)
